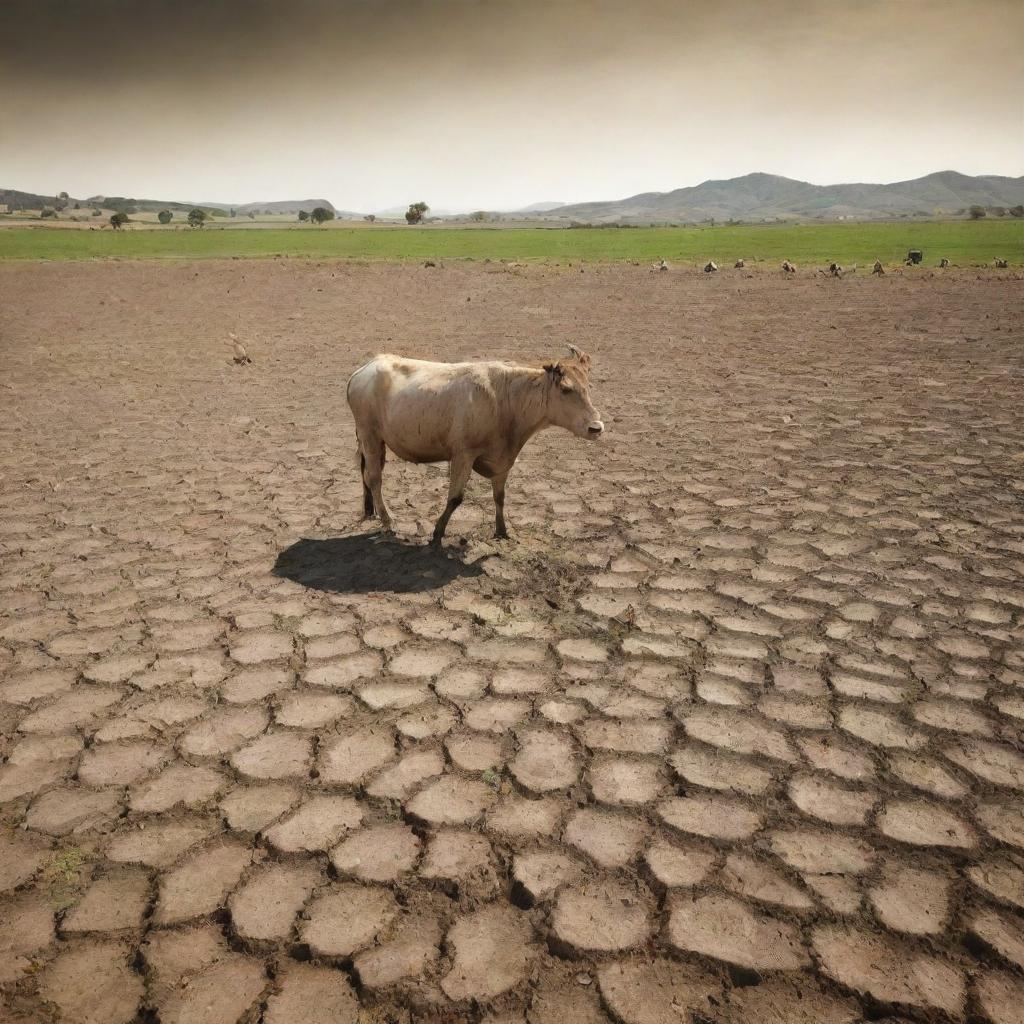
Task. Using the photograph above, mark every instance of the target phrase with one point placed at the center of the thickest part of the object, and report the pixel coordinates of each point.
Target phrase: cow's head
(569, 404)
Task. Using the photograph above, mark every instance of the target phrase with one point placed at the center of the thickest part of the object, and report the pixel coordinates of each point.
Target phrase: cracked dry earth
(732, 732)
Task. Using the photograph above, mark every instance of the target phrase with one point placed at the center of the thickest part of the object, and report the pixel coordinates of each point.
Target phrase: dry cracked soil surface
(731, 731)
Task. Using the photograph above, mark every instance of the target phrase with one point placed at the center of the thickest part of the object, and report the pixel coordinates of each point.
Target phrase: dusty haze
(496, 105)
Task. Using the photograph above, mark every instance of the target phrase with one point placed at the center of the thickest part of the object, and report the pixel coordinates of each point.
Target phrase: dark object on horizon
(943, 262)
(835, 270)
(914, 256)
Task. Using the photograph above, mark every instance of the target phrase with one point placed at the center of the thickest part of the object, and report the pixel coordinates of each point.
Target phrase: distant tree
(303, 215)
(63, 195)
(47, 212)
(415, 212)
(78, 206)
(60, 204)
(97, 212)
(252, 215)
(165, 216)
(320, 214)
(118, 220)
(478, 215)
(196, 217)
(1017, 211)
(370, 218)
(976, 212)
(998, 211)
(234, 212)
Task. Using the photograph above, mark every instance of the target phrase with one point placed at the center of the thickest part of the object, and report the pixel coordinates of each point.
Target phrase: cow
(474, 416)
(788, 268)
(738, 265)
(878, 268)
(710, 267)
(944, 262)
(835, 270)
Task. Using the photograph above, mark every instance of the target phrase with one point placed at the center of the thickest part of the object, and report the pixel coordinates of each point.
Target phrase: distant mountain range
(539, 208)
(751, 198)
(760, 197)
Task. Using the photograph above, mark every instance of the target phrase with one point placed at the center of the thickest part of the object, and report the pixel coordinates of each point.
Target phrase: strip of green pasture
(962, 242)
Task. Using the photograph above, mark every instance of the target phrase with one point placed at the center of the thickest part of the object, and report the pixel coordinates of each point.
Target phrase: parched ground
(732, 732)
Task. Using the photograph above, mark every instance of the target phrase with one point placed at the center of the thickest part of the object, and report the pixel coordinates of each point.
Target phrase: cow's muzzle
(595, 430)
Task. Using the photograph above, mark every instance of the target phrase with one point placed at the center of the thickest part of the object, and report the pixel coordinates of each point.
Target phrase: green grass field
(963, 242)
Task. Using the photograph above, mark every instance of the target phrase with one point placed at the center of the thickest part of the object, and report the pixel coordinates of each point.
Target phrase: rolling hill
(761, 197)
(16, 200)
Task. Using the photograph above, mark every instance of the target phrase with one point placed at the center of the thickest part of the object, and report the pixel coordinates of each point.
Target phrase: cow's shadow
(371, 563)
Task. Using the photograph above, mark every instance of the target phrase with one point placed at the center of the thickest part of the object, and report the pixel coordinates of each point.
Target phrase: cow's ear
(555, 371)
(581, 357)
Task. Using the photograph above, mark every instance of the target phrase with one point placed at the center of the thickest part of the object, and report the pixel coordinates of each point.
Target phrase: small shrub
(196, 217)
(165, 216)
(47, 212)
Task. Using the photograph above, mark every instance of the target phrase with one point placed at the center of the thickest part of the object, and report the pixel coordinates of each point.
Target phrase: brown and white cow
(475, 416)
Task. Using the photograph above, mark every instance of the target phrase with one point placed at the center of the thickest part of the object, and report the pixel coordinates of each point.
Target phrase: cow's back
(421, 409)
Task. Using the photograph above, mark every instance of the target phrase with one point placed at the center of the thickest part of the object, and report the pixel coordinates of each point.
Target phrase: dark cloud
(495, 102)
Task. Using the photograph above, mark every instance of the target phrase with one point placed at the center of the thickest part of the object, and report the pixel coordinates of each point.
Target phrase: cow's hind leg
(368, 509)
(373, 472)
(498, 487)
(458, 475)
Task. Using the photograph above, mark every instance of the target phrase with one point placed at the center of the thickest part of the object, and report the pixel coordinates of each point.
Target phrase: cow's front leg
(458, 475)
(498, 487)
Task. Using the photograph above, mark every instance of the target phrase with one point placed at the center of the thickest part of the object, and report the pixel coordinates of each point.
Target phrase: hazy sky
(473, 103)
